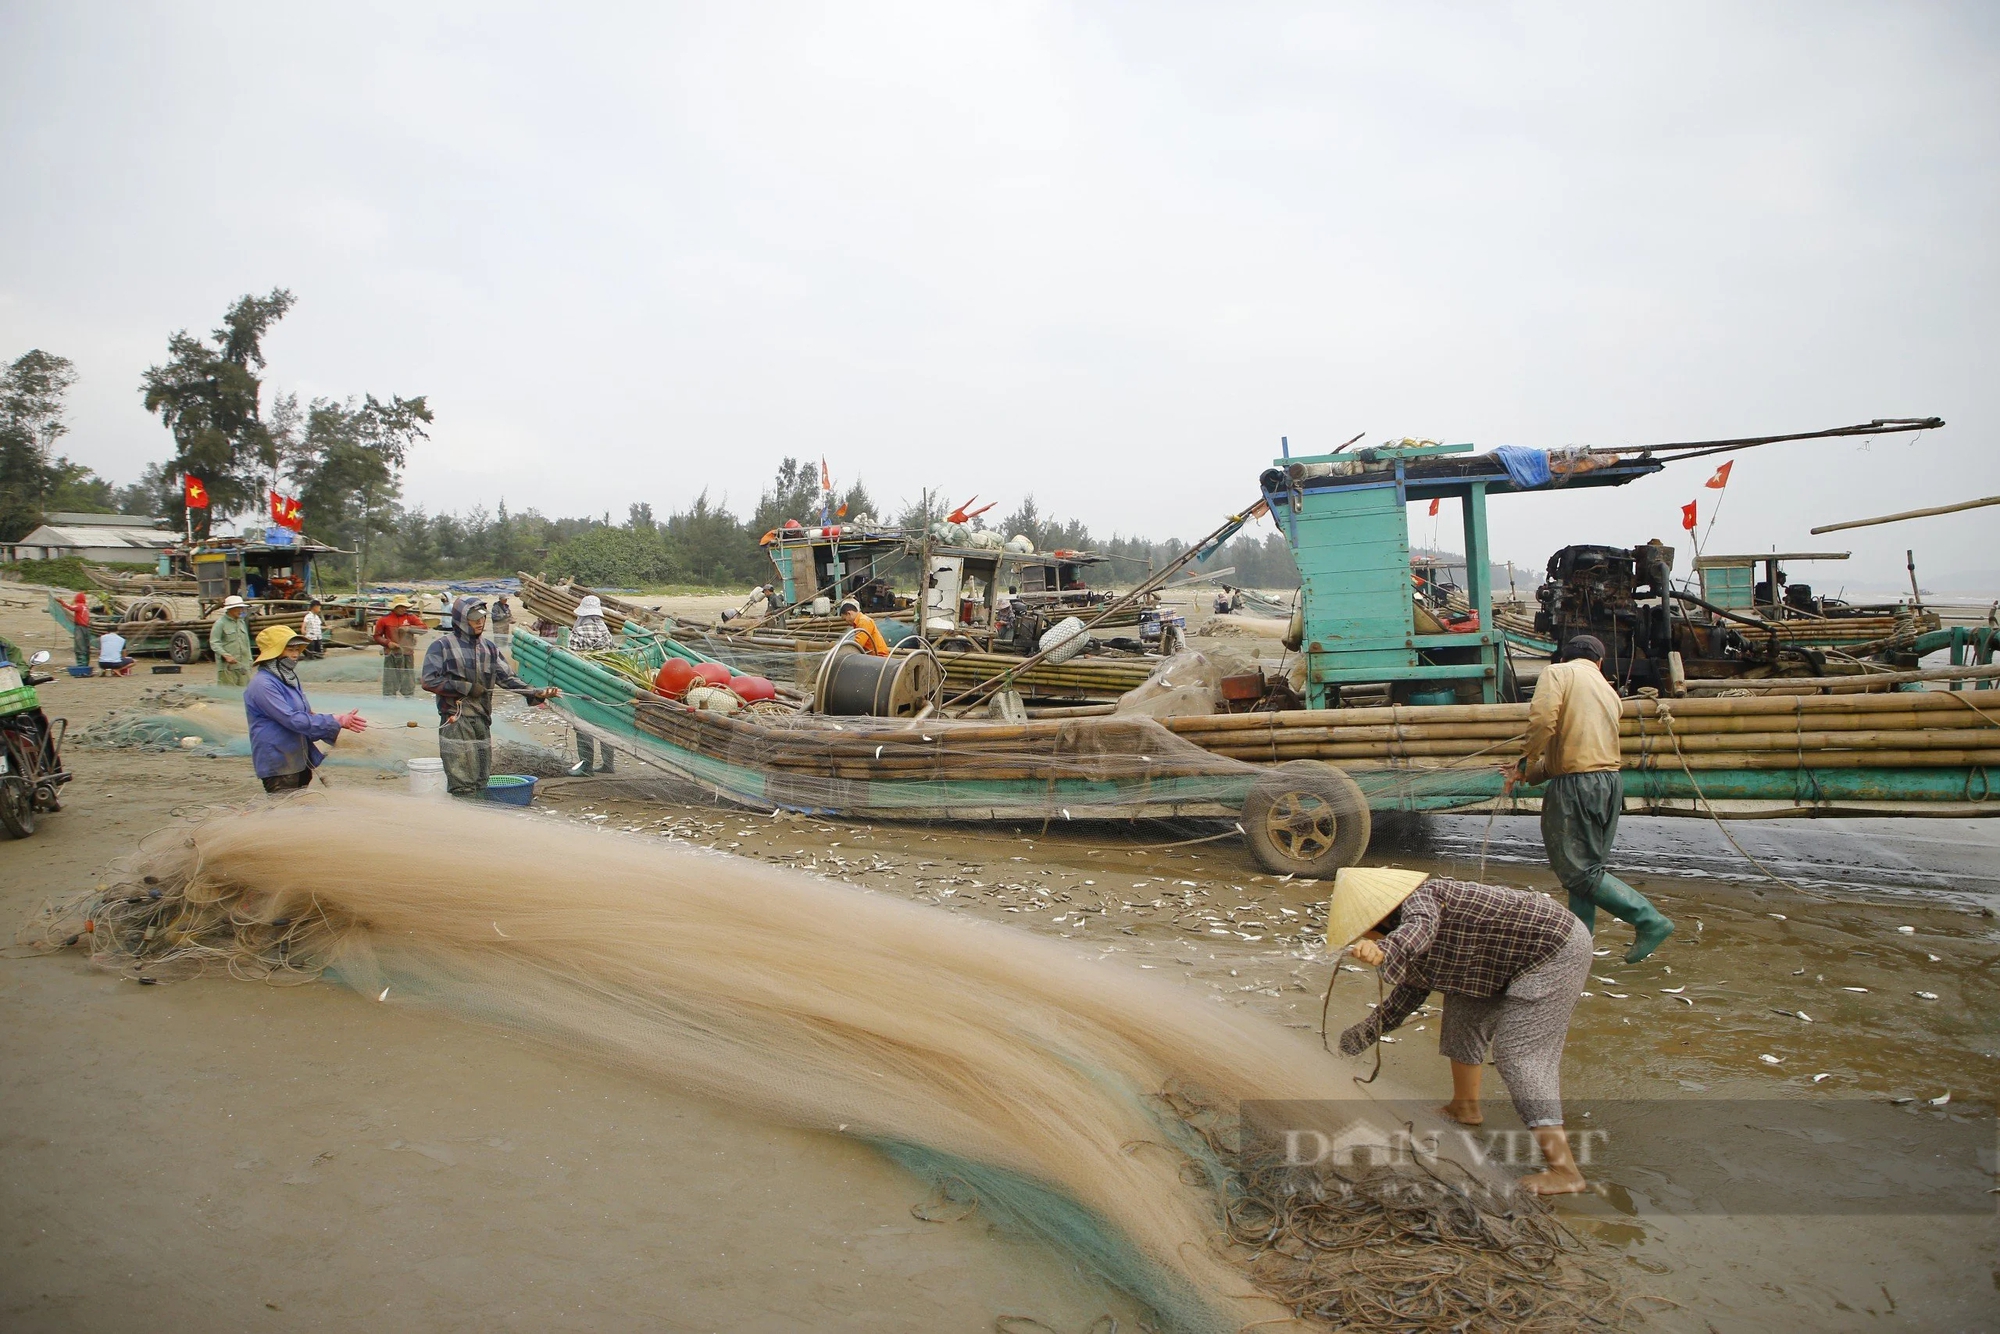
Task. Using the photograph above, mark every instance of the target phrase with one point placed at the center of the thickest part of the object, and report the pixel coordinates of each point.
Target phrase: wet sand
(222, 1154)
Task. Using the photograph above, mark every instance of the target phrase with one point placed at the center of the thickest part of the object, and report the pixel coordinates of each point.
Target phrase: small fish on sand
(1817, 1078)
(1769, 1059)
(1906, 931)
(1927, 995)
(1942, 1099)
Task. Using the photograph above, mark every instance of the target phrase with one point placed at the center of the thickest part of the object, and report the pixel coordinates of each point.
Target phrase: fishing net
(1047, 1086)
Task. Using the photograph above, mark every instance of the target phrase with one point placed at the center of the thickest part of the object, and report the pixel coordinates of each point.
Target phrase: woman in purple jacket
(283, 727)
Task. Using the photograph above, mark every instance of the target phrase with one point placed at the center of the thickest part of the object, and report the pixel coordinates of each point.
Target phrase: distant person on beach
(79, 617)
(1511, 965)
(283, 728)
(313, 629)
(502, 630)
(1573, 748)
(397, 634)
(229, 641)
(111, 654)
(589, 633)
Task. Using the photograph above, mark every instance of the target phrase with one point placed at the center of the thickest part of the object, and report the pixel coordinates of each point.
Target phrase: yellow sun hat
(1363, 896)
(273, 640)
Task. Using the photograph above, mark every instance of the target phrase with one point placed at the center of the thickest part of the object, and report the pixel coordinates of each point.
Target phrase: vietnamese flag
(1687, 516)
(1721, 478)
(295, 517)
(1434, 506)
(277, 509)
(195, 494)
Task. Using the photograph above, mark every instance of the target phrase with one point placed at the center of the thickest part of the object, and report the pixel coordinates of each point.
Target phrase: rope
(1666, 717)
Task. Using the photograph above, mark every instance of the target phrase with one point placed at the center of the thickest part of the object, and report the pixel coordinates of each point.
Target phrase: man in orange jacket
(397, 634)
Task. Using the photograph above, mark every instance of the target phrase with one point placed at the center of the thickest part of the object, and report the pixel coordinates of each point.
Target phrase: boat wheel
(1301, 825)
(1306, 818)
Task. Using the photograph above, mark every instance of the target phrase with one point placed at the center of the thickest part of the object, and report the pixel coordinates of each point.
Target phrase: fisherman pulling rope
(1572, 745)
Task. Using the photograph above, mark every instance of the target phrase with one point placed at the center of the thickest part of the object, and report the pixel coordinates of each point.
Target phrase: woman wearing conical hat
(1510, 964)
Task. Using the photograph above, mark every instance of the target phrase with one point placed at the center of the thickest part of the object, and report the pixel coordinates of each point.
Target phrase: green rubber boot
(1584, 909)
(1629, 905)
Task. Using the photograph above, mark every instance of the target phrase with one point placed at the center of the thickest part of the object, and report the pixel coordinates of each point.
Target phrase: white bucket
(822, 606)
(427, 778)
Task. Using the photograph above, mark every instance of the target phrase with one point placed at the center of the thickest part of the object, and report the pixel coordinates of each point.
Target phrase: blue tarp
(1526, 468)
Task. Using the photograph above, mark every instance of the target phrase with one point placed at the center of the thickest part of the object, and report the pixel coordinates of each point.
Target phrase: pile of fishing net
(1001, 1066)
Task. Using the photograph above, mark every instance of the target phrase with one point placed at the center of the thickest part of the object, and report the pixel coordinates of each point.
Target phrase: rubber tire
(185, 648)
(17, 807)
(1333, 832)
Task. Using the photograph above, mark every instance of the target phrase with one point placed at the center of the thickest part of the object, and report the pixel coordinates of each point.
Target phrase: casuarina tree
(208, 394)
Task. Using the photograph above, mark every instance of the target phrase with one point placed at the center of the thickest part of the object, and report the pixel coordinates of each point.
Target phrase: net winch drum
(1065, 640)
(853, 683)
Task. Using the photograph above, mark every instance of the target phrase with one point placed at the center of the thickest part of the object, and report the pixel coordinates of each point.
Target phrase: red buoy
(674, 677)
(750, 689)
(712, 672)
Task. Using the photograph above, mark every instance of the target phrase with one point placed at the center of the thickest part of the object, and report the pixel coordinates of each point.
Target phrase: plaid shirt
(1460, 937)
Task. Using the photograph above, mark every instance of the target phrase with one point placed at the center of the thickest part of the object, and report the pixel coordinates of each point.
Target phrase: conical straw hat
(1363, 896)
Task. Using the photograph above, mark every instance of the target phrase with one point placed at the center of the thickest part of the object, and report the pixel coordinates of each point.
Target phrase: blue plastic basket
(512, 789)
(79, 671)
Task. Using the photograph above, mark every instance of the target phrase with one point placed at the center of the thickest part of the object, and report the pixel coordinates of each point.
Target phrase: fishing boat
(1305, 819)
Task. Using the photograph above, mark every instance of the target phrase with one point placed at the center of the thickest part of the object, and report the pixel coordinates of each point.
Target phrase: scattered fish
(1906, 931)
(1941, 1099)
(1599, 954)
(1860, 989)
(498, 932)
(1619, 995)
(1817, 1078)
(1685, 1000)
(1927, 995)
(1672, 991)
(1769, 1059)
(1775, 916)
(384, 996)
(1798, 972)
(1933, 958)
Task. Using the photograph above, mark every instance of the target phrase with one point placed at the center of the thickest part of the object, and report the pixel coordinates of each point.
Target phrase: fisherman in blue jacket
(283, 728)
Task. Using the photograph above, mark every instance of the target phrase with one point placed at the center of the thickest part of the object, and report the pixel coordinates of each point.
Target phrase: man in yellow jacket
(1573, 749)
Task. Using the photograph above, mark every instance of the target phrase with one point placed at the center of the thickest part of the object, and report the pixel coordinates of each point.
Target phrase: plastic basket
(511, 789)
(78, 671)
(14, 701)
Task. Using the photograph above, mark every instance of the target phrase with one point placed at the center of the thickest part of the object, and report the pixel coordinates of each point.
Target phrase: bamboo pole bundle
(1764, 759)
(1682, 710)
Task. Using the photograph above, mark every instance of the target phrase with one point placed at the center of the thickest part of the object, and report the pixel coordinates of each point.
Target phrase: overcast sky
(1105, 254)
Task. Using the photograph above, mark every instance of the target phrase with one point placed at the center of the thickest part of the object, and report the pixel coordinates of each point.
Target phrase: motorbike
(31, 769)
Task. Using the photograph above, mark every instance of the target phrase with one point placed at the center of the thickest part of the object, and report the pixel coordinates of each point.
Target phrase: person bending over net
(1510, 964)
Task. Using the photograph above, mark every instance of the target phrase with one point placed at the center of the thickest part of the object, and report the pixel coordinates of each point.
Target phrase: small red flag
(277, 509)
(840, 513)
(825, 476)
(195, 494)
(1687, 516)
(1721, 478)
(295, 517)
(1434, 506)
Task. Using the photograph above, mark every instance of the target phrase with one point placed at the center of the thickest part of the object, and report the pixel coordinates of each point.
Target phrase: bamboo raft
(1915, 752)
(556, 604)
(932, 769)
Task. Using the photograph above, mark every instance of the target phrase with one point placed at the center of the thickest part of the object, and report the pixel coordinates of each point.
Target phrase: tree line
(344, 460)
